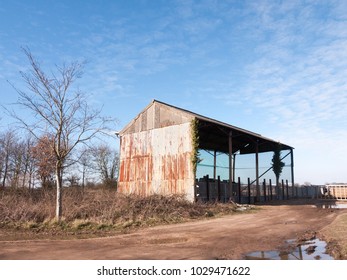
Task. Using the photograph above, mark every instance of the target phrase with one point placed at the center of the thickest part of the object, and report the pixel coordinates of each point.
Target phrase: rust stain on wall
(157, 161)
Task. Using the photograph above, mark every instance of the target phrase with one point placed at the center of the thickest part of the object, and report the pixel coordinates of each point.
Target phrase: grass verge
(94, 212)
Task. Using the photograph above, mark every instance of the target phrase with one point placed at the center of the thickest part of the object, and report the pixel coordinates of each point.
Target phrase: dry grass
(98, 209)
(335, 235)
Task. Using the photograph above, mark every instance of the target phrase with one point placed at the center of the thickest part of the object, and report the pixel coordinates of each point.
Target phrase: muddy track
(229, 237)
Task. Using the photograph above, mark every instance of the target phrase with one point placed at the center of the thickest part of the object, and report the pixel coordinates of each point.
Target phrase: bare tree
(2, 157)
(17, 160)
(73, 180)
(106, 161)
(44, 160)
(60, 111)
(85, 163)
(7, 144)
(29, 167)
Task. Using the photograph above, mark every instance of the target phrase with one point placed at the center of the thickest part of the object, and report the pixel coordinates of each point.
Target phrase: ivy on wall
(195, 143)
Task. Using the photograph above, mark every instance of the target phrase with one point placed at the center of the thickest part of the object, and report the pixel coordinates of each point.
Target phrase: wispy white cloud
(317, 99)
(298, 78)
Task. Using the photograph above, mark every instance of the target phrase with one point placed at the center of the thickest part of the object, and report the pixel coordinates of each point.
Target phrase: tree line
(61, 123)
(26, 162)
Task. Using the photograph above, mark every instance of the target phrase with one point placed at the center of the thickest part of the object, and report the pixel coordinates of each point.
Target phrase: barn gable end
(156, 152)
(156, 115)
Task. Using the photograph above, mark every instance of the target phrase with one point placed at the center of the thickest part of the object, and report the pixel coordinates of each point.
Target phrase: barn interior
(223, 150)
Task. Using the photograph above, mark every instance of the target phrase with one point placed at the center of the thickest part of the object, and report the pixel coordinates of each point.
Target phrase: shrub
(101, 208)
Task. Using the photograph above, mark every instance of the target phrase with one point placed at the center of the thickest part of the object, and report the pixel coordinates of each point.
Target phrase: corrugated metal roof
(221, 125)
(201, 117)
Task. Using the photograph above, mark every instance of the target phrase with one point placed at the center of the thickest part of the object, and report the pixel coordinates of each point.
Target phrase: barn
(159, 153)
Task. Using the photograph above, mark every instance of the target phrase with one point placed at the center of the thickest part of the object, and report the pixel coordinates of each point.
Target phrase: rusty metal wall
(157, 115)
(157, 161)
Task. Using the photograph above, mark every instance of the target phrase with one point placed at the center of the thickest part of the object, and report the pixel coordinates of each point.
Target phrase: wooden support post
(234, 164)
(287, 189)
(257, 169)
(283, 189)
(292, 167)
(270, 183)
(218, 189)
(249, 190)
(239, 189)
(296, 192)
(231, 179)
(264, 188)
(214, 165)
(207, 188)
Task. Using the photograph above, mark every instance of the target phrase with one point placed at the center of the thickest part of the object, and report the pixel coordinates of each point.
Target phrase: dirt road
(229, 237)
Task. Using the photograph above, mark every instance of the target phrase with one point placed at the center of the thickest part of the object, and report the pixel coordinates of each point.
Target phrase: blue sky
(277, 68)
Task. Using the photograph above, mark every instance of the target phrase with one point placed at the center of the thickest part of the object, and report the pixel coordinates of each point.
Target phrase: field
(103, 225)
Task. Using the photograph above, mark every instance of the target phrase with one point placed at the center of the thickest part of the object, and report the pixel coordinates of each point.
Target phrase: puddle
(311, 250)
(332, 206)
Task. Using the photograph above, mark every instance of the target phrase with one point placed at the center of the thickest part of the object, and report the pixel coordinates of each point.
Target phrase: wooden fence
(207, 189)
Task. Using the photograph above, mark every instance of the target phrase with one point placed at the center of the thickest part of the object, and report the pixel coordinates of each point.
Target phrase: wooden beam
(231, 179)
(234, 164)
(292, 168)
(257, 169)
(215, 165)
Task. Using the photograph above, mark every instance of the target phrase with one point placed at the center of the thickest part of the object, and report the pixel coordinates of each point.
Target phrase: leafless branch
(58, 110)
